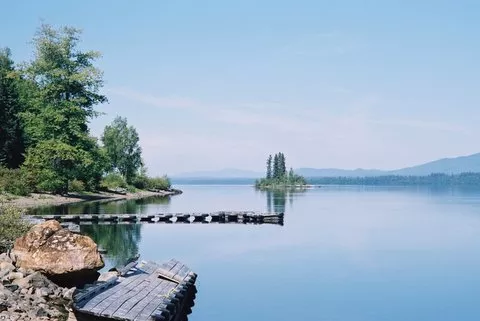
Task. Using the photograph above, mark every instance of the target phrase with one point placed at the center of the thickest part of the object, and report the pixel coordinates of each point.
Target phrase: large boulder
(60, 254)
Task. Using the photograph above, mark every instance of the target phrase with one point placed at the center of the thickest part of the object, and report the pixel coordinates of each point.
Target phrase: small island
(277, 176)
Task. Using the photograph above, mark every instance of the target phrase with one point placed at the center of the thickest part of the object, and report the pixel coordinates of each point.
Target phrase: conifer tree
(275, 166)
(269, 167)
(12, 144)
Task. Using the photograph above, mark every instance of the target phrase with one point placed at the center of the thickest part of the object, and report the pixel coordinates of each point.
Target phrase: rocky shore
(38, 276)
(29, 295)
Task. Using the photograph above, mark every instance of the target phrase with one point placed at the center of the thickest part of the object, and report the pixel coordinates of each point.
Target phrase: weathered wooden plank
(100, 303)
(95, 289)
(150, 308)
(153, 283)
(137, 309)
(115, 300)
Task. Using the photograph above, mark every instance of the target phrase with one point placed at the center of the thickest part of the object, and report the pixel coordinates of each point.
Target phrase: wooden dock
(143, 291)
(188, 218)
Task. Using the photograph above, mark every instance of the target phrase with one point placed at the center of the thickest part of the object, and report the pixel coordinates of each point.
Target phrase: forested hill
(450, 166)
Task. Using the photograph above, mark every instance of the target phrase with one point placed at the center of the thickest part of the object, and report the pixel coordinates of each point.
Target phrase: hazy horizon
(332, 85)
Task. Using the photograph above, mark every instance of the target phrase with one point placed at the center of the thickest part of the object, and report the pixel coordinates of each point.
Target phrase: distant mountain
(456, 165)
(447, 166)
(333, 172)
(223, 173)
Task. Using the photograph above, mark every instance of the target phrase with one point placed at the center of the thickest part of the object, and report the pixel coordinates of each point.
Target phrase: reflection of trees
(277, 198)
(120, 240)
(137, 206)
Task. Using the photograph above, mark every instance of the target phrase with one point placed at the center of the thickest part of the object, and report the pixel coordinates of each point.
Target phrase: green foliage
(12, 144)
(52, 164)
(142, 181)
(122, 148)
(162, 183)
(12, 226)
(14, 181)
(68, 86)
(77, 186)
(45, 108)
(113, 181)
(62, 86)
(278, 176)
(269, 167)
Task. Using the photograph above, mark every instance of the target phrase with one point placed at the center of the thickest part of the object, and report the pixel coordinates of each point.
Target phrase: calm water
(344, 253)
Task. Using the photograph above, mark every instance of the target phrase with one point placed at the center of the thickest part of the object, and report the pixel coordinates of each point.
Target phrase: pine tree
(275, 166)
(282, 169)
(12, 144)
(269, 167)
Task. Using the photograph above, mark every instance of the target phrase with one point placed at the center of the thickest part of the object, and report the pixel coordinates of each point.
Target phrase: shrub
(113, 181)
(14, 181)
(12, 226)
(77, 186)
(144, 182)
(140, 181)
(159, 183)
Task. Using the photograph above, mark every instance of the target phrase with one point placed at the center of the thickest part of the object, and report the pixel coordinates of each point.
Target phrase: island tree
(277, 175)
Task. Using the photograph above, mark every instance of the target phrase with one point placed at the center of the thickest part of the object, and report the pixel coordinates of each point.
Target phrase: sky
(218, 84)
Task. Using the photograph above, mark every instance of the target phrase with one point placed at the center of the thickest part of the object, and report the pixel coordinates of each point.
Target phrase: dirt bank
(37, 200)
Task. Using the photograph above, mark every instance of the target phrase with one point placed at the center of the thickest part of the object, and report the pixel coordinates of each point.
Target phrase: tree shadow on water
(277, 198)
(119, 240)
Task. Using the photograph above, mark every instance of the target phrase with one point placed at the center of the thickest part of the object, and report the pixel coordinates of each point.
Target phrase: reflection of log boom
(217, 217)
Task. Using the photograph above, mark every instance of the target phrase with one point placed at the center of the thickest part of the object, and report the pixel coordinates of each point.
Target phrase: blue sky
(216, 84)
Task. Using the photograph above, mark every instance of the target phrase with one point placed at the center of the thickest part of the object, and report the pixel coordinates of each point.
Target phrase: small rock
(14, 276)
(11, 287)
(43, 292)
(41, 312)
(68, 293)
(7, 266)
(104, 277)
(5, 258)
(23, 283)
(3, 306)
(3, 296)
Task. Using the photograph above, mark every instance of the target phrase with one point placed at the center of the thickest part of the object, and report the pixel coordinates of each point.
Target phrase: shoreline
(42, 199)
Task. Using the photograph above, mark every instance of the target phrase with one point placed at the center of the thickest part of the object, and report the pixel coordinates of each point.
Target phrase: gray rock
(7, 266)
(68, 293)
(23, 283)
(3, 295)
(5, 258)
(11, 287)
(41, 312)
(43, 292)
(104, 277)
(14, 275)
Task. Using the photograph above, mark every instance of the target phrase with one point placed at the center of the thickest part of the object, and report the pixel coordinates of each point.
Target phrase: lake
(343, 254)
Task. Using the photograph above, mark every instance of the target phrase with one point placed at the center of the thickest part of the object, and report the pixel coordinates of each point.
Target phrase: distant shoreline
(40, 199)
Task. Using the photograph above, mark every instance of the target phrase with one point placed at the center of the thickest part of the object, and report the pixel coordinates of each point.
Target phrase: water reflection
(277, 198)
(133, 206)
(119, 240)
